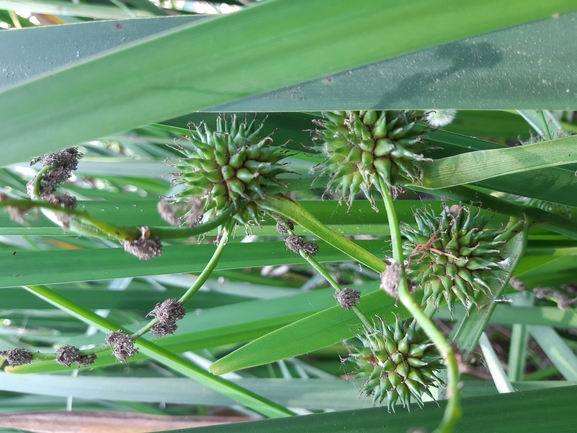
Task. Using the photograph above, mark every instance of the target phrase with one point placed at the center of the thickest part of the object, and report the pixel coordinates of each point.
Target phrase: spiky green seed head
(398, 361)
(230, 165)
(453, 255)
(364, 148)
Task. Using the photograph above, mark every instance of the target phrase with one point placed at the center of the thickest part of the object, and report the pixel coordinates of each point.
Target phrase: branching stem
(453, 410)
(334, 284)
(204, 275)
(86, 224)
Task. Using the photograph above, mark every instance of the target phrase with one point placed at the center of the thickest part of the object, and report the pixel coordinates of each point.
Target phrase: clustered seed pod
(145, 247)
(282, 227)
(64, 162)
(122, 345)
(17, 356)
(294, 243)
(67, 355)
(59, 167)
(398, 361)
(167, 314)
(363, 147)
(311, 248)
(453, 255)
(227, 166)
(347, 298)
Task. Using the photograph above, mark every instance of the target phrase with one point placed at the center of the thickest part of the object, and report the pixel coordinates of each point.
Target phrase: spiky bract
(453, 256)
(232, 165)
(362, 147)
(399, 362)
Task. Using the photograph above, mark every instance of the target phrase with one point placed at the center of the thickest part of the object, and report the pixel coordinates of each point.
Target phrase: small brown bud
(347, 298)
(281, 228)
(17, 356)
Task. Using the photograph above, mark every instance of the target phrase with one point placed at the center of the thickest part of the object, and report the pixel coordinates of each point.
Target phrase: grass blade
(556, 349)
(477, 166)
(527, 412)
(493, 364)
(278, 43)
(314, 332)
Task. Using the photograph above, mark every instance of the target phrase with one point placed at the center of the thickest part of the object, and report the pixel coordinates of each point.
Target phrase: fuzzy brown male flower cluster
(64, 162)
(167, 314)
(122, 345)
(17, 356)
(68, 355)
(59, 166)
(145, 247)
(347, 298)
(296, 243)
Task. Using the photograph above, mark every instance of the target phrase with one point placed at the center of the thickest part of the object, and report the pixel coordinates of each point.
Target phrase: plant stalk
(453, 411)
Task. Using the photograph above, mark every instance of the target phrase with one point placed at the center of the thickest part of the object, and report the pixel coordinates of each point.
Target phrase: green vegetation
(306, 234)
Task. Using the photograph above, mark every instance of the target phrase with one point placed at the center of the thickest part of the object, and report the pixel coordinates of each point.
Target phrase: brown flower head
(311, 248)
(347, 298)
(169, 311)
(64, 162)
(282, 226)
(294, 243)
(122, 345)
(17, 356)
(145, 247)
(67, 355)
(161, 329)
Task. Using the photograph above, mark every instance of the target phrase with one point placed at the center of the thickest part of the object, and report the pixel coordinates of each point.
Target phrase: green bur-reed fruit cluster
(230, 166)
(363, 148)
(454, 255)
(399, 362)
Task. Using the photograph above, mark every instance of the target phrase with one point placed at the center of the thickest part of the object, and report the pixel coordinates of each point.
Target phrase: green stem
(335, 285)
(36, 182)
(177, 233)
(204, 275)
(322, 271)
(290, 209)
(453, 411)
(164, 356)
(85, 224)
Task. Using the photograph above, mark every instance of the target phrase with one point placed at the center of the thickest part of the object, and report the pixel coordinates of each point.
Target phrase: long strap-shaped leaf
(261, 48)
(485, 164)
(538, 411)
